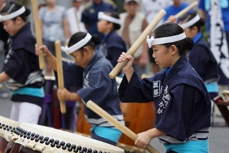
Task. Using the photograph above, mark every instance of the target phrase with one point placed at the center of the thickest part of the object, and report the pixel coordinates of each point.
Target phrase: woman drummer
(91, 73)
(201, 57)
(183, 106)
(21, 69)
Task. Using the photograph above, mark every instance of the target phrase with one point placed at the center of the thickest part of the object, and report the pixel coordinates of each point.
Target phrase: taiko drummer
(91, 73)
(183, 106)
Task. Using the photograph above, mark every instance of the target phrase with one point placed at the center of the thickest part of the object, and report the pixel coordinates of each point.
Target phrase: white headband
(78, 45)
(12, 15)
(102, 15)
(164, 40)
(190, 22)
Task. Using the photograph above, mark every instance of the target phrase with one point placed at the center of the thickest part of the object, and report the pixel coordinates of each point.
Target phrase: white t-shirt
(150, 8)
(72, 16)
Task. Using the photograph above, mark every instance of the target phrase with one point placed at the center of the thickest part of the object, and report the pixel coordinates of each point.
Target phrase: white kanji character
(159, 111)
(155, 84)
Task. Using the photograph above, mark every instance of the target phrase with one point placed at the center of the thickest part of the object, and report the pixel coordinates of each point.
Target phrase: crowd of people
(97, 37)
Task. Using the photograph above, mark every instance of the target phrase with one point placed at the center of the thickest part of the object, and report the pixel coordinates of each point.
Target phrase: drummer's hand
(63, 94)
(172, 18)
(123, 57)
(42, 48)
(143, 139)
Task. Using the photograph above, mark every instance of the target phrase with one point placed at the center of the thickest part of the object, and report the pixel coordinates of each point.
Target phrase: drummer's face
(10, 27)
(162, 55)
(81, 57)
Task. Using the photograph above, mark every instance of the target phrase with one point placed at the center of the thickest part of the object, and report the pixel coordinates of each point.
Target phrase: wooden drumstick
(116, 123)
(0, 86)
(60, 73)
(138, 42)
(38, 32)
(184, 11)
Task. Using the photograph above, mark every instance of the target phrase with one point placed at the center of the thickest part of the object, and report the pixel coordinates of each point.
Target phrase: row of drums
(27, 138)
(138, 117)
(18, 137)
(31, 138)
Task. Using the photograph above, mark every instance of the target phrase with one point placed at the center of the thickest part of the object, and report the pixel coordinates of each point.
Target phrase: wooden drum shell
(138, 117)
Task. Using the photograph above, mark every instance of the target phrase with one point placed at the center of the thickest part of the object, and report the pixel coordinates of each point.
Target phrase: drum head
(46, 139)
(7, 126)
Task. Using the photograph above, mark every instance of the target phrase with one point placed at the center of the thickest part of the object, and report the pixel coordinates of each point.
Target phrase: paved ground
(219, 134)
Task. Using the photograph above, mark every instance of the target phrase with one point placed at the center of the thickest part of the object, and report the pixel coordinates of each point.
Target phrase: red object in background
(218, 99)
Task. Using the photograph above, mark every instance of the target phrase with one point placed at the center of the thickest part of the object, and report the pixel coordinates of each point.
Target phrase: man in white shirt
(150, 8)
(73, 15)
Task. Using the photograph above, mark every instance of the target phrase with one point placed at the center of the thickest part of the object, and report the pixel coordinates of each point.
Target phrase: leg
(14, 111)
(29, 113)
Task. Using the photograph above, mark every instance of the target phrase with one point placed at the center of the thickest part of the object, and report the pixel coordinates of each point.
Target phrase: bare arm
(4, 77)
(145, 137)
(65, 95)
(128, 68)
(47, 54)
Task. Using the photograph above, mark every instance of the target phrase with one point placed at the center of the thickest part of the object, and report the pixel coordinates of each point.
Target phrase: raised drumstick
(145, 33)
(138, 42)
(60, 73)
(184, 11)
(38, 32)
(116, 123)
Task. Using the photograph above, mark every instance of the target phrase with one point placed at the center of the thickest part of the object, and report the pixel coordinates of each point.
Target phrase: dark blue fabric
(203, 61)
(197, 37)
(112, 47)
(181, 99)
(90, 15)
(97, 86)
(21, 60)
(3, 36)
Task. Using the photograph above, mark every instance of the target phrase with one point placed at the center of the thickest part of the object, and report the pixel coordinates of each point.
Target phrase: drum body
(30, 138)
(138, 117)
(82, 126)
(7, 127)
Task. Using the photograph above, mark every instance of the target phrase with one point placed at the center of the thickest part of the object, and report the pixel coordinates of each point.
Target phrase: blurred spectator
(150, 8)
(133, 24)
(177, 6)
(90, 14)
(41, 6)
(73, 15)
(112, 44)
(54, 26)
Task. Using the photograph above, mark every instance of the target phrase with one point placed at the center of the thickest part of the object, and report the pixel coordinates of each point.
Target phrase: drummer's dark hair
(12, 7)
(171, 29)
(114, 15)
(95, 40)
(189, 16)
